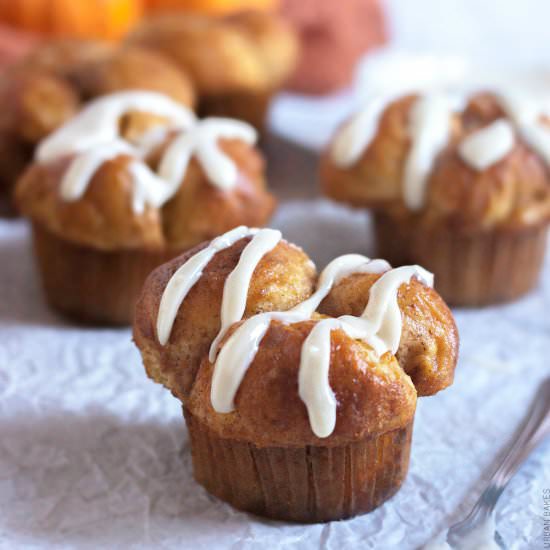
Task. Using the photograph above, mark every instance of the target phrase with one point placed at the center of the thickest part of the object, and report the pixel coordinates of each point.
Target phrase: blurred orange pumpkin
(109, 19)
(214, 7)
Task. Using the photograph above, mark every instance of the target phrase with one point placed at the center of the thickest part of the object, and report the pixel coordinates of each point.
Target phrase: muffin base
(90, 285)
(304, 484)
(250, 107)
(471, 269)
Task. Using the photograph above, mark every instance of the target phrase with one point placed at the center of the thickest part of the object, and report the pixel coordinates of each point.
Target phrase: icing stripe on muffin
(94, 137)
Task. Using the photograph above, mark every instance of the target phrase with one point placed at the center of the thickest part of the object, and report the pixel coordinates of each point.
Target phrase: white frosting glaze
(381, 314)
(98, 122)
(335, 271)
(525, 113)
(313, 378)
(85, 165)
(241, 347)
(538, 137)
(93, 136)
(236, 356)
(186, 276)
(488, 145)
(355, 136)
(235, 290)
(379, 325)
(429, 129)
(202, 142)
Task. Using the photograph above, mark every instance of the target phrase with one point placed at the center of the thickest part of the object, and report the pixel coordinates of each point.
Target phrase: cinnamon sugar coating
(374, 395)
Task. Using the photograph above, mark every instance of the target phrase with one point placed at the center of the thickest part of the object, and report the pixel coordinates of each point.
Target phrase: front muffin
(294, 414)
(128, 183)
(236, 63)
(461, 186)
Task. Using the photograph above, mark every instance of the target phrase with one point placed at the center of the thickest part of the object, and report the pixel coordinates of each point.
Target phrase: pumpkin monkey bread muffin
(459, 184)
(299, 390)
(131, 181)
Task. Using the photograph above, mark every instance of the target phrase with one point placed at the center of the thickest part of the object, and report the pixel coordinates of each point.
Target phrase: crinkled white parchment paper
(93, 454)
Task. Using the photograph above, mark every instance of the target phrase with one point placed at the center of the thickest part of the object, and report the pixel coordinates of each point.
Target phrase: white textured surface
(93, 454)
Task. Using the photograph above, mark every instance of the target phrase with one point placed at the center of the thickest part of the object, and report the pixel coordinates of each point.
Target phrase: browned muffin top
(137, 170)
(374, 394)
(258, 373)
(478, 165)
(48, 86)
(284, 277)
(251, 51)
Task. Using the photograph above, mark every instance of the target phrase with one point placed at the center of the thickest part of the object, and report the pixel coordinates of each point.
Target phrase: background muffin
(47, 87)
(236, 62)
(112, 210)
(464, 190)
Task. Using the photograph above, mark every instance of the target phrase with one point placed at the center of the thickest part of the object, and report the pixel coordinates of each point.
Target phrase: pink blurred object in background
(14, 44)
(333, 36)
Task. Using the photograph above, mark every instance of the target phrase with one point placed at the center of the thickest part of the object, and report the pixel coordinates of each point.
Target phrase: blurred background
(349, 49)
(490, 31)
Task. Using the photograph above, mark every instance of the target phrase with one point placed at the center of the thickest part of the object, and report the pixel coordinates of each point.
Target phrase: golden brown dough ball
(284, 277)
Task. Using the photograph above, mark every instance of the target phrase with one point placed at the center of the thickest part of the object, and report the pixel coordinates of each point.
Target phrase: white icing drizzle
(429, 130)
(236, 356)
(313, 378)
(235, 290)
(335, 271)
(381, 314)
(379, 325)
(239, 350)
(98, 122)
(488, 145)
(186, 276)
(201, 141)
(356, 135)
(537, 135)
(525, 113)
(93, 135)
(85, 165)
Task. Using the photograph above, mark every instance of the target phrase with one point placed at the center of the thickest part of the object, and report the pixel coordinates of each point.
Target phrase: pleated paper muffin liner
(91, 285)
(303, 484)
(471, 269)
(248, 106)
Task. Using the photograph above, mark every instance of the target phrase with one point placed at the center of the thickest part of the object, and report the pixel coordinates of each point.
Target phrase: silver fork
(528, 436)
